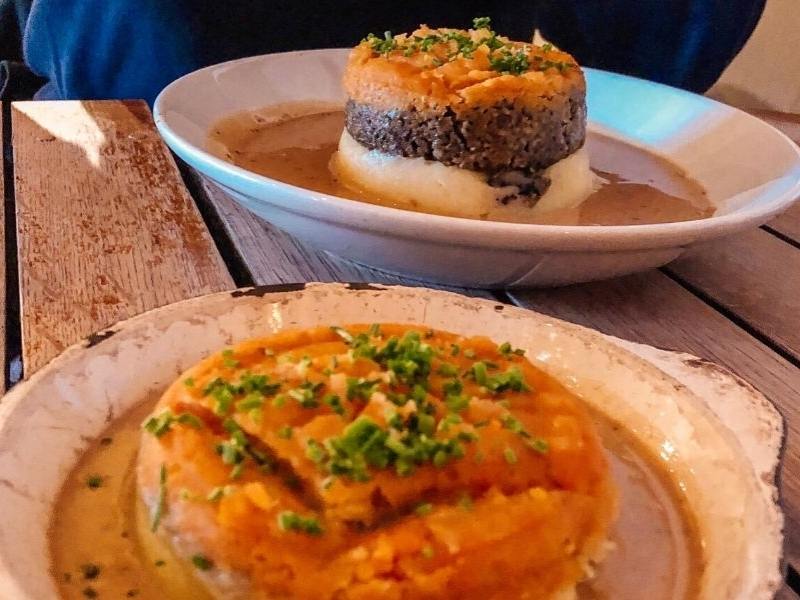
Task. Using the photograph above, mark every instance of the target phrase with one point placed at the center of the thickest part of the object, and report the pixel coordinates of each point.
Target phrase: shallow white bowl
(715, 433)
(750, 170)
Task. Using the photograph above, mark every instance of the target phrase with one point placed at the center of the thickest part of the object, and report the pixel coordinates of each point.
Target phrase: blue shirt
(131, 49)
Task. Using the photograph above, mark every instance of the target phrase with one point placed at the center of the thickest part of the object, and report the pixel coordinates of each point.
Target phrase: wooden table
(100, 224)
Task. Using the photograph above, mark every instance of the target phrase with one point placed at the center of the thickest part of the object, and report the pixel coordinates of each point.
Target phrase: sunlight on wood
(71, 123)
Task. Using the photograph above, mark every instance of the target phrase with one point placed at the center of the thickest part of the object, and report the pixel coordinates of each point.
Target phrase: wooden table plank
(106, 228)
(788, 223)
(273, 257)
(755, 276)
(786, 593)
(2, 258)
(786, 122)
(652, 309)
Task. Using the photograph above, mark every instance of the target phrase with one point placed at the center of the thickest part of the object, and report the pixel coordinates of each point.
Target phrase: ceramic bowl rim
(474, 232)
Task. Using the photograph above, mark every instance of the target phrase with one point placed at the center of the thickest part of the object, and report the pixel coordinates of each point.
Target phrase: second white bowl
(750, 171)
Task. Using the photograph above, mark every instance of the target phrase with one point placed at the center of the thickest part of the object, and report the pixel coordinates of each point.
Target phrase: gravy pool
(639, 187)
(657, 552)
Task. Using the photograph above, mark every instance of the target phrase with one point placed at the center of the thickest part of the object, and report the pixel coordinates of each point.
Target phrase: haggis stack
(465, 123)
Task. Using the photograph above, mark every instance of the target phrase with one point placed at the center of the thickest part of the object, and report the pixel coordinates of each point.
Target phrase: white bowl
(750, 170)
(716, 434)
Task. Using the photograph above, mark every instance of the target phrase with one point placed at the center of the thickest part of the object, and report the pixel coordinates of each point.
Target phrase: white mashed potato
(429, 186)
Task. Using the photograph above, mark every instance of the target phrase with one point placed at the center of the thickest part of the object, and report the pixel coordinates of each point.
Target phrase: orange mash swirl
(387, 461)
(438, 76)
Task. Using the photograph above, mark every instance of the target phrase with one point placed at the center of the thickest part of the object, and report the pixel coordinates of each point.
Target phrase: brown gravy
(657, 551)
(640, 187)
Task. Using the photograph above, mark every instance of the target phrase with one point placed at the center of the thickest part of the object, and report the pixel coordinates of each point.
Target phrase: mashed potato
(432, 187)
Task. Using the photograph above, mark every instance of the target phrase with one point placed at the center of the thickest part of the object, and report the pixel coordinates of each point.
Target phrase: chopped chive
(510, 456)
(216, 494)
(237, 471)
(90, 571)
(161, 503)
(465, 501)
(427, 552)
(291, 521)
(454, 349)
(360, 388)
(513, 424)
(306, 394)
(507, 350)
(160, 562)
(539, 445)
(456, 403)
(315, 451)
(94, 481)
(423, 509)
(334, 402)
(448, 421)
(185, 495)
(447, 370)
(159, 424)
(189, 382)
(189, 419)
(285, 432)
(252, 401)
(202, 562)
(228, 360)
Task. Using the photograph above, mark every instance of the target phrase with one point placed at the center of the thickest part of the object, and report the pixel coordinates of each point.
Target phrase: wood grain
(652, 309)
(788, 223)
(106, 228)
(273, 257)
(2, 258)
(786, 122)
(754, 275)
(786, 593)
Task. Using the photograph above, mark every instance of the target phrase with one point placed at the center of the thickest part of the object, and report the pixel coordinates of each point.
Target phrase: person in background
(94, 49)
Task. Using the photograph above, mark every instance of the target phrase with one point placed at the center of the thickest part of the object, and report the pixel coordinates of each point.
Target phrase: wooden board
(785, 122)
(273, 257)
(2, 247)
(788, 224)
(786, 593)
(755, 276)
(106, 228)
(651, 308)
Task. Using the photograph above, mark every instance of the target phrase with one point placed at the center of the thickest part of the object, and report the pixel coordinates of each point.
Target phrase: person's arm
(684, 43)
(17, 82)
(131, 49)
(91, 49)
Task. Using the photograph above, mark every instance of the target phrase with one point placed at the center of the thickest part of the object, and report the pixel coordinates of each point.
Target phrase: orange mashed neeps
(385, 461)
(458, 69)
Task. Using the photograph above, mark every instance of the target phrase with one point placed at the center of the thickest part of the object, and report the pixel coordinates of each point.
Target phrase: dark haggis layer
(509, 143)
